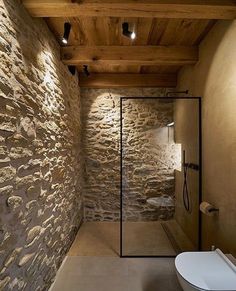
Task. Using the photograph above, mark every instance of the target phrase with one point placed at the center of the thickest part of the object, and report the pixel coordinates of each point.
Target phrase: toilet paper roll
(207, 208)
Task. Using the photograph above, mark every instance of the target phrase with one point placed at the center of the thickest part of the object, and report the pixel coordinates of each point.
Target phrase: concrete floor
(97, 239)
(116, 274)
(139, 239)
(146, 239)
(93, 264)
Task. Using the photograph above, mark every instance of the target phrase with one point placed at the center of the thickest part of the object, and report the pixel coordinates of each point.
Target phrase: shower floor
(139, 239)
(93, 261)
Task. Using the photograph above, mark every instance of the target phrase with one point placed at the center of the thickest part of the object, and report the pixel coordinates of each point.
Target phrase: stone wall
(40, 184)
(101, 141)
(150, 157)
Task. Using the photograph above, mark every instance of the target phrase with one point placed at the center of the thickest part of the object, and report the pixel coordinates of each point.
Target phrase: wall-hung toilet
(205, 271)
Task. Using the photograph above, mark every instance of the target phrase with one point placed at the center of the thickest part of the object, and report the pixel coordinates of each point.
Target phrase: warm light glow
(64, 41)
(47, 78)
(171, 124)
(133, 35)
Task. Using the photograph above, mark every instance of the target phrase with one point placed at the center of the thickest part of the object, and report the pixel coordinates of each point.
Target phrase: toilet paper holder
(207, 208)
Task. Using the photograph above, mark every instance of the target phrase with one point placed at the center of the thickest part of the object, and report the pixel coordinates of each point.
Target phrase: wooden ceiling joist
(195, 9)
(127, 80)
(129, 55)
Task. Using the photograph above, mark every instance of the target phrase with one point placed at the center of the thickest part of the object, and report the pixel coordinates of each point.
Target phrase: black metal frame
(200, 172)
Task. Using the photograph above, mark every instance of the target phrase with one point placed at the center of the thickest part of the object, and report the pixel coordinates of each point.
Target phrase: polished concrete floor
(116, 274)
(93, 262)
(139, 239)
(97, 239)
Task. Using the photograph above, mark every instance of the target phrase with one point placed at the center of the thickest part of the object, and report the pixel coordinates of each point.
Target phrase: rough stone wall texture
(40, 180)
(150, 157)
(101, 141)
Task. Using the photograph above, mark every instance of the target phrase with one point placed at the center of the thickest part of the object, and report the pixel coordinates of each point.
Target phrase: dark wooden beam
(127, 80)
(194, 9)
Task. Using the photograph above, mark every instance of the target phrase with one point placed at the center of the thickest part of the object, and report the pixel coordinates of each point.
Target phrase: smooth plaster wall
(40, 159)
(186, 133)
(214, 78)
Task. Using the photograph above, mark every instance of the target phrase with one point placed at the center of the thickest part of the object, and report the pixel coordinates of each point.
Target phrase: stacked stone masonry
(150, 157)
(40, 159)
(101, 145)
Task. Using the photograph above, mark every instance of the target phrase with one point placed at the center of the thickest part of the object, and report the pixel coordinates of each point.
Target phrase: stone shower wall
(149, 159)
(101, 141)
(40, 176)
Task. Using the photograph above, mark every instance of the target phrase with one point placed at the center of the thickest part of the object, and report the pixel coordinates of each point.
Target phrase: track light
(85, 70)
(72, 69)
(133, 35)
(126, 32)
(67, 27)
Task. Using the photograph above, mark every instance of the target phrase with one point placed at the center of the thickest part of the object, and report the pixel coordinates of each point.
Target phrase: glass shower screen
(160, 175)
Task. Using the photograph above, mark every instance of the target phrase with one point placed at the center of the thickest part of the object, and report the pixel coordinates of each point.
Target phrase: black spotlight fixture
(85, 70)
(72, 70)
(67, 27)
(126, 32)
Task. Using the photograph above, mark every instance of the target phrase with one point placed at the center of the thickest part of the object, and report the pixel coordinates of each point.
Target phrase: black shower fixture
(85, 70)
(67, 28)
(126, 32)
(72, 69)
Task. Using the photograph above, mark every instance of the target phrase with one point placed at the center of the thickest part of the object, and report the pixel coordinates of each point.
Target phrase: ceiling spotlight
(85, 70)
(67, 27)
(126, 32)
(133, 35)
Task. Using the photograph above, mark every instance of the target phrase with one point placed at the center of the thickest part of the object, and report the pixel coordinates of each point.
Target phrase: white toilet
(205, 271)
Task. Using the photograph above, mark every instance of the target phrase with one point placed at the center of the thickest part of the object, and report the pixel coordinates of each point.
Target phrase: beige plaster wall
(214, 78)
(40, 159)
(186, 117)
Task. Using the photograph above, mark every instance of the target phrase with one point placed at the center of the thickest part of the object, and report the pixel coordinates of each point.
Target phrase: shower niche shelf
(161, 201)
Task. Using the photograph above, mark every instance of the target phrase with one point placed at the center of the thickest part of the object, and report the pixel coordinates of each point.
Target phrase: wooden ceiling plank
(129, 55)
(193, 9)
(160, 69)
(127, 80)
(110, 69)
(157, 30)
(183, 32)
(114, 31)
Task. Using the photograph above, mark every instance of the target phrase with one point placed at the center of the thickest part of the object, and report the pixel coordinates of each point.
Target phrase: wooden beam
(129, 55)
(127, 80)
(195, 9)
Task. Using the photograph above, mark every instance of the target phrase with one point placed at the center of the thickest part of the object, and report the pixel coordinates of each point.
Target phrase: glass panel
(160, 176)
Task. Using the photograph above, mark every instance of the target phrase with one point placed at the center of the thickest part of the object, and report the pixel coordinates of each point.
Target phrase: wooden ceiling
(168, 35)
